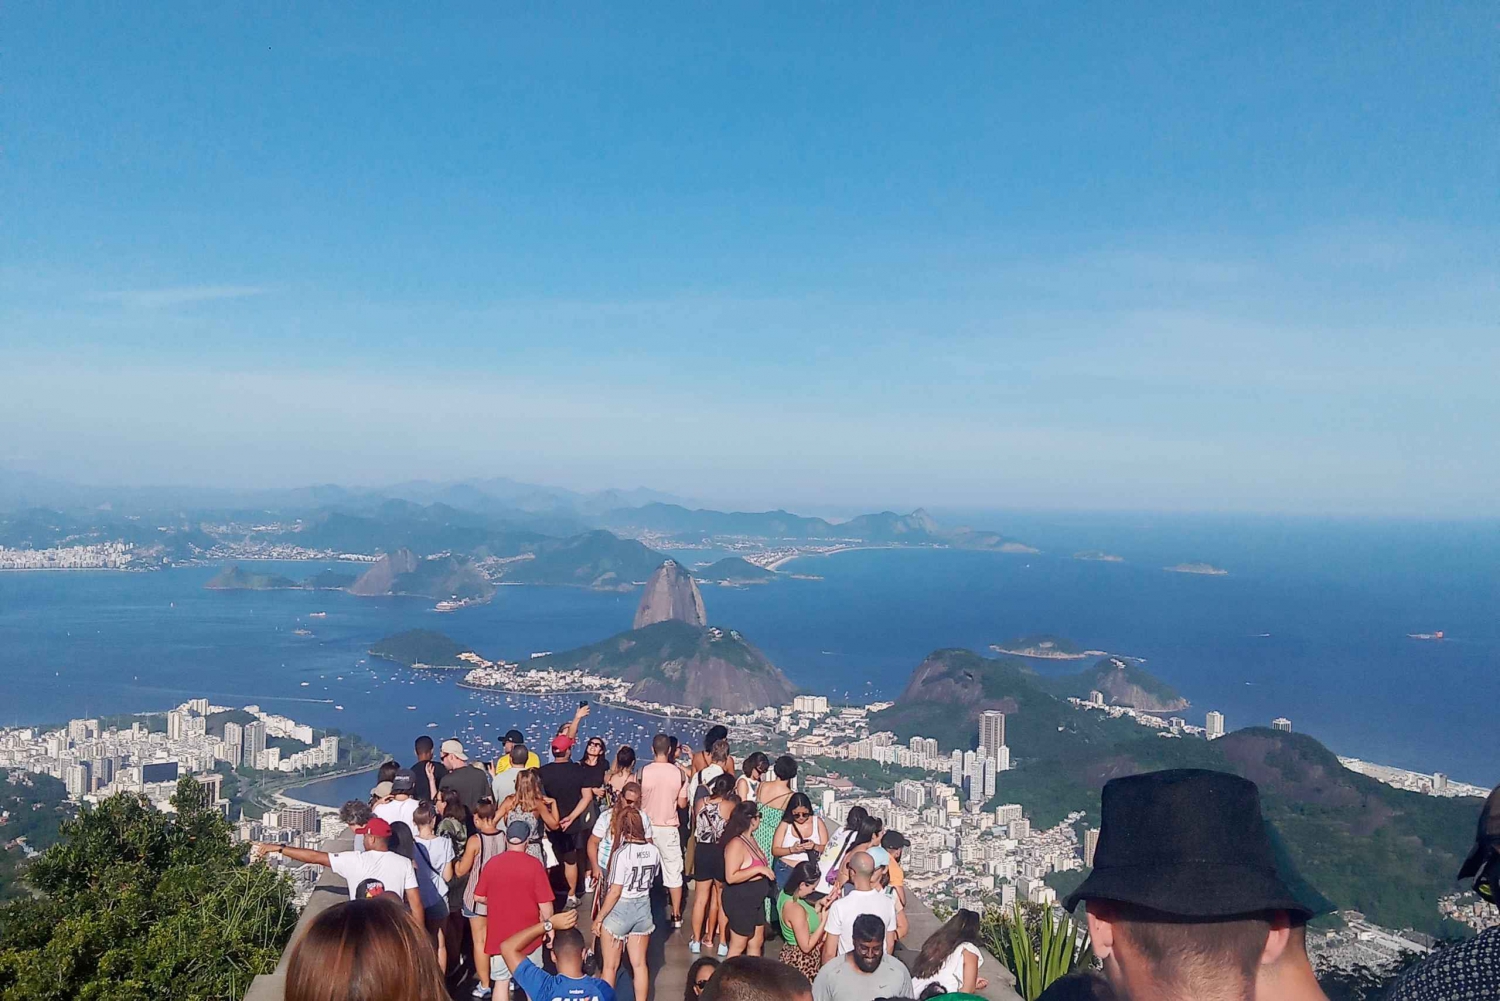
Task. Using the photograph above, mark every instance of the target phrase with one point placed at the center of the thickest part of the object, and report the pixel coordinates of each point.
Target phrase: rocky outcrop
(671, 595)
(381, 577)
(1123, 684)
(676, 663)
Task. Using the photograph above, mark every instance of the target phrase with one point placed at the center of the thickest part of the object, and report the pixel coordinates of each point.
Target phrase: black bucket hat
(1186, 842)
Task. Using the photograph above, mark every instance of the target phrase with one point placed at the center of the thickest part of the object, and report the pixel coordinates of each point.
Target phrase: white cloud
(166, 298)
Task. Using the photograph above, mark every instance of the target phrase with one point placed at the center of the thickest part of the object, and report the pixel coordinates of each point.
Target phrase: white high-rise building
(956, 768)
(1096, 698)
(199, 706)
(234, 744)
(1090, 845)
(176, 724)
(989, 778)
(330, 747)
(255, 744)
(930, 746)
(1214, 725)
(992, 731)
(1002, 759)
(1281, 723)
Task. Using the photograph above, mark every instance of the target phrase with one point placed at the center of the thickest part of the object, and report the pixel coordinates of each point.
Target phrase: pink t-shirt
(661, 785)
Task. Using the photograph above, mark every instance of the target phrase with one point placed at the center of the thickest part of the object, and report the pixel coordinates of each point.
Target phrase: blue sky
(1232, 257)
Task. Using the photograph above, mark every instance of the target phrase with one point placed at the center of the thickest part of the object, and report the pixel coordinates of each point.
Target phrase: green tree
(135, 904)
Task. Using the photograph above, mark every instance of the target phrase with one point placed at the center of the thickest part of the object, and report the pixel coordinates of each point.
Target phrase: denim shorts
(630, 916)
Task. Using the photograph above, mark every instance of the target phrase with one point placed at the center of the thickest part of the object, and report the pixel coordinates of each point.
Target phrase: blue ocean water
(1311, 623)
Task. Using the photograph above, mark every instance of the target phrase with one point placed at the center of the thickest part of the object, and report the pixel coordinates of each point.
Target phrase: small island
(1098, 556)
(236, 579)
(423, 648)
(1205, 569)
(734, 570)
(1043, 648)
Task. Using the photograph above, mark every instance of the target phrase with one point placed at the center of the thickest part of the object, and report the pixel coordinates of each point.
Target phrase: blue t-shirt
(540, 985)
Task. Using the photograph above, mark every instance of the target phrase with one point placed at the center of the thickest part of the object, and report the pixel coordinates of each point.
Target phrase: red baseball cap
(561, 743)
(377, 827)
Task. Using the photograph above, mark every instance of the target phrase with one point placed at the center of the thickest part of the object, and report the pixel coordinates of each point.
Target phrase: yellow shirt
(503, 765)
(895, 873)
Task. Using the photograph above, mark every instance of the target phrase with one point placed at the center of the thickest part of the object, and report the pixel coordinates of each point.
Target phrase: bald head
(861, 868)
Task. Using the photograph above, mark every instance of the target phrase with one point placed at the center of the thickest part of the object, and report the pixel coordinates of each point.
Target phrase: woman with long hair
(596, 763)
(802, 921)
(753, 771)
(699, 974)
(361, 950)
(867, 840)
(951, 957)
(800, 837)
(773, 795)
(625, 916)
(748, 881)
(487, 842)
(832, 859)
(709, 819)
(621, 772)
(535, 808)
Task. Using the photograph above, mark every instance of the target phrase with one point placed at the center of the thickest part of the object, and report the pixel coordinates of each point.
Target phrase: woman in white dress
(951, 957)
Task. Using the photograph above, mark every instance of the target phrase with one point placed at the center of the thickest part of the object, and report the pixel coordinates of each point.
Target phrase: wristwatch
(547, 925)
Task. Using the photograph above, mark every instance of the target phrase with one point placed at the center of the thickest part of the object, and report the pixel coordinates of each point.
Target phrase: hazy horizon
(1039, 258)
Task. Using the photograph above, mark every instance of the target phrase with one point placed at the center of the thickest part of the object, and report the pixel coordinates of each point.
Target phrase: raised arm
(296, 854)
(570, 728)
(516, 948)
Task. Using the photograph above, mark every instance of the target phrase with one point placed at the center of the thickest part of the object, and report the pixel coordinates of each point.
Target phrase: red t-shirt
(514, 886)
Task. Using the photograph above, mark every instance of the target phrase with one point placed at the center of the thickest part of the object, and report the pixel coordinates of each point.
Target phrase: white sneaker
(694, 947)
(481, 991)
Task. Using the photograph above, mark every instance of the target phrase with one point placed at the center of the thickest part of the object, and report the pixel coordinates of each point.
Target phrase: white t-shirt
(430, 878)
(850, 906)
(394, 872)
(634, 869)
(393, 810)
(606, 843)
(951, 973)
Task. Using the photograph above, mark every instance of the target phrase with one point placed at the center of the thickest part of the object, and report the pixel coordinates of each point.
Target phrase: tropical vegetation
(132, 904)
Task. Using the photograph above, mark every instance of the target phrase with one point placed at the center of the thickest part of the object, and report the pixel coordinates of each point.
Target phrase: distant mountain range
(1367, 846)
(496, 530)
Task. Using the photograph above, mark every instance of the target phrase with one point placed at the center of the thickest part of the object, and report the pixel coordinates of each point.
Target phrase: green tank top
(813, 921)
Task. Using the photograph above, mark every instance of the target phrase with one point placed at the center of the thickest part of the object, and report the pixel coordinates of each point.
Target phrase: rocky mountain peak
(671, 593)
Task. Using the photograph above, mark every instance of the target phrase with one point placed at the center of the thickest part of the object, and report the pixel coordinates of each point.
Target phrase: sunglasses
(699, 985)
(801, 814)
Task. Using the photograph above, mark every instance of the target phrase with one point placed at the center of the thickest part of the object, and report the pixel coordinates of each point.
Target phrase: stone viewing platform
(668, 954)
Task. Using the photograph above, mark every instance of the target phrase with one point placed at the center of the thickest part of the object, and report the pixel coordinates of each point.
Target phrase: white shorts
(670, 846)
(499, 972)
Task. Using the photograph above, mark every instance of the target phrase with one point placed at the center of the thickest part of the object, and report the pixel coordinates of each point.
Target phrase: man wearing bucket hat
(1470, 971)
(1185, 902)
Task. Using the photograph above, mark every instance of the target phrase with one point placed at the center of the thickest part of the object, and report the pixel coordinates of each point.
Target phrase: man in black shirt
(426, 773)
(1470, 971)
(472, 784)
(569, 783)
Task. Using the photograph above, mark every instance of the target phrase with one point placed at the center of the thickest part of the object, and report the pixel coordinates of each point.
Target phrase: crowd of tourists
(547, 880)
